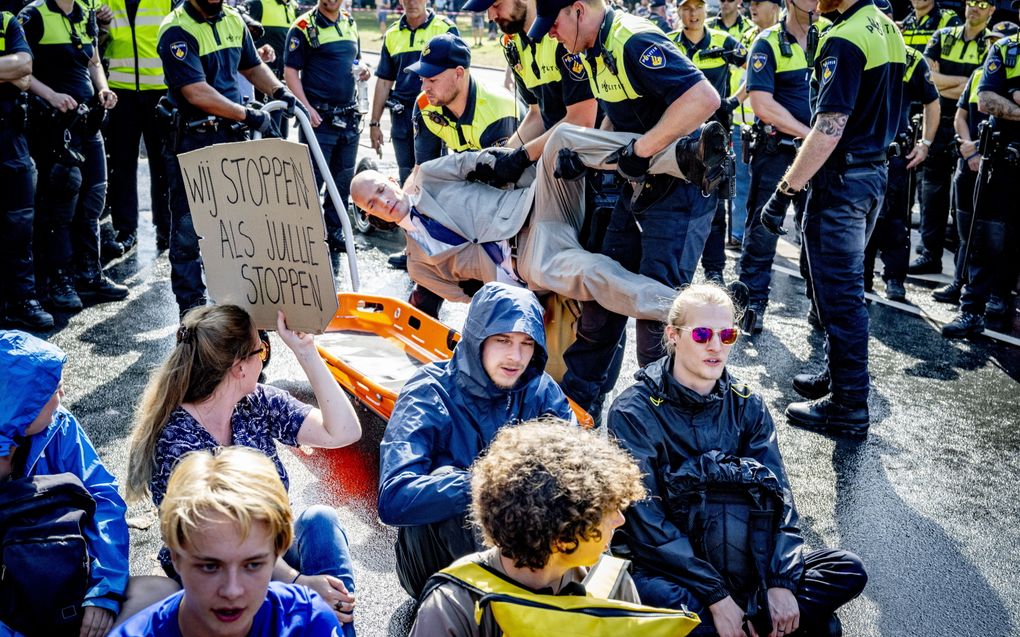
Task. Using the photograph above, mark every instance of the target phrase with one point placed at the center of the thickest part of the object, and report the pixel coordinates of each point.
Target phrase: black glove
(569, 166)
(630, 166)
(774, 212)
(260, 121)
(283, 93)
(729, 105)
(499, 166)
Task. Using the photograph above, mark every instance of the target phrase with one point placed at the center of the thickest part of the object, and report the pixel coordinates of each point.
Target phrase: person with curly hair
(547, 497)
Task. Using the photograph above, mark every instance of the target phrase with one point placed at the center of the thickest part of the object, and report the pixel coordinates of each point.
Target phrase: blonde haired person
(547, 497)
(226, 519)
(206, 394)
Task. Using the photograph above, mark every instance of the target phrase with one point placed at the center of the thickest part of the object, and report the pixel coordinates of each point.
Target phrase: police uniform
(892, 230)
(324, 53)
(401, 48)
(918, 31)
(955, 56)
(736, 29)
(546, 75)
(276, 18)
(195, 49)
(17, 181)
(636, 73)
(136, 76)
(859, 73)
(777, 64)
(69, 153)
(715, 55)
(490, 118)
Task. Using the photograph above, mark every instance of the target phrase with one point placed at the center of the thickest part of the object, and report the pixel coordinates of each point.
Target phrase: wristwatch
(374, 122)
(926, 142)
(786, 189)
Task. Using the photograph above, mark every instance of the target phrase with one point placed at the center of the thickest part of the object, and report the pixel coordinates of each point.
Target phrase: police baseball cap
(477, 5)
(884, 6)
(1005, 28)
(442, 53)
(547, 11)
(657, 3)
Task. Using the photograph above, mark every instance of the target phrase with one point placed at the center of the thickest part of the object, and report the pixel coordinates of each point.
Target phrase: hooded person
(447, 414)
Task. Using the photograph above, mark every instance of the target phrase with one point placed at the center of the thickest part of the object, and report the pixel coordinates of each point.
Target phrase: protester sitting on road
(447, 414)
(547, 498)
(38, 437)
(226, 519)
(206, 395)
(693, 427)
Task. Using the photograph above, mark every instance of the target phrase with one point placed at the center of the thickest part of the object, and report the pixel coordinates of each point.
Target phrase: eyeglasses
(263, 352)
(979, 5)
(702, 335)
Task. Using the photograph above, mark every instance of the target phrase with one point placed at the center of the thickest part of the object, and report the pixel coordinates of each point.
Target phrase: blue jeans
(320, 548)
(667, 249)
(340, 149)
(842, 207)
(740, 206)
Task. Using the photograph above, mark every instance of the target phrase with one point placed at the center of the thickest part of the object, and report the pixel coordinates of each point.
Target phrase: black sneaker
(62, 295)
(398, 261)
(925, 264)
(100, 289)
(948, 293)
(964, 325)
(29, 314)
(811, 386)
(996, 308)
(894, 290)
(830, 416)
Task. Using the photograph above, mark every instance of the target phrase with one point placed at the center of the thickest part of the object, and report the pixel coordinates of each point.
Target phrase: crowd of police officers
(834, 109)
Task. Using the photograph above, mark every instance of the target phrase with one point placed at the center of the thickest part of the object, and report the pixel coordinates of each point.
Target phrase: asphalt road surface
(929, 500)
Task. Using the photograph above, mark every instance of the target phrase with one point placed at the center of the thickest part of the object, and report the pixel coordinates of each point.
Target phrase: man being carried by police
(907, 151)
(204, 44)
(924, 20)
(707, 449)
(993, 228)
(323, 50)
(859, 76)
(658, 228)
(463, 231)
(952, 55)
(715, 53)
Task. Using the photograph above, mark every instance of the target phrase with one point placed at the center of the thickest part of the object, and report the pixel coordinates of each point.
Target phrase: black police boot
(927, 263)
(96, 287)
(128, 240)
(703, 160)
(715, 276)
(966, 324)
(110, 249)
(812, 386)
(830, 416)
(996, 308)
(397, 260)
(894, 290)
(162, 243)
(62, 295)
(28, 313)
(759, 317)
(948, 293)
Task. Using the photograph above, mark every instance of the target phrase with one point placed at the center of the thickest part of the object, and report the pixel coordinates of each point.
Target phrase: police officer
(21, 305)
(396, 90)
(714, 53)
(995, 229)
(136, 76)
(924, 20)
(908, 150)
(778, 83)
(730, 18)
(204, 45)
(322, 50)
(68, 150)
(859, 77)
(657, 15)
(643, 85)
(952, 54)
(275, 18)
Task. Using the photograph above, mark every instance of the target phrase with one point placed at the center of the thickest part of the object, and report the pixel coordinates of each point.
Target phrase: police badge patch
(572, 62)
(828, 68)
(294, 43)
(653, 58)
(993, 66)
(179, 50)
(758, 61)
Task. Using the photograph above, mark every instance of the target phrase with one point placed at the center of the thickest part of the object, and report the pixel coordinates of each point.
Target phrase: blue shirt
(402, 47)
(789, 86)
(326, 70)
(62, 66)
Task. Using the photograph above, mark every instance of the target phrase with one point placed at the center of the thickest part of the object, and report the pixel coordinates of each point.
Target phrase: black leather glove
(283, 93)
(498, 166)
(729, 104)
(260, 121)
(569, 166)
(630, 166)
(774, 212)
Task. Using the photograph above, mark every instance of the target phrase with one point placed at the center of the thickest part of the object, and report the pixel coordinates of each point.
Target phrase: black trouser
(426, 549)
(936, 177)
(69, 200)
(963, 199)
(713, 258)
(133, 119)
(891, 235)
(831, 578)
(402, 136)
(17, 272)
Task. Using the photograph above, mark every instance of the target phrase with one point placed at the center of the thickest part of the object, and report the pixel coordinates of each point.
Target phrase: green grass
(489, 54)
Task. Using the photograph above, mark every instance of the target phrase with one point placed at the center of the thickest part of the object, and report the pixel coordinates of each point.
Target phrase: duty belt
(900, 146)
(341, 117)
(857, 160)
(765, 137)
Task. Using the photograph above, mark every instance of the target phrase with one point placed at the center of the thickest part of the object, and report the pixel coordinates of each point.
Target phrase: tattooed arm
(817, 147)
(998, 106)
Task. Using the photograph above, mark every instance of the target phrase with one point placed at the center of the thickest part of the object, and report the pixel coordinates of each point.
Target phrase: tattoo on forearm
(831, 124)
(998, 106)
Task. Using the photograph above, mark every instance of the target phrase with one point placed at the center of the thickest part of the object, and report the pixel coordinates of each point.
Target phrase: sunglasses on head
(979, 5)
(702, 335)
(263, 352)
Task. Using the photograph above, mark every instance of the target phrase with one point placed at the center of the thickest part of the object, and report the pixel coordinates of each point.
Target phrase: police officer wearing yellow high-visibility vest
(924, 20)
(857, 85)
(136, 76)
(323, 48)
(276, 18)
(644, 85)
(204, 44)
(952, 55)
(730, 18)
(68, 150)
(396, 90)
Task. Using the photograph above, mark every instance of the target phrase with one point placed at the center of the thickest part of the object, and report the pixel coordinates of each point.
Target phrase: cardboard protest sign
(255, 206)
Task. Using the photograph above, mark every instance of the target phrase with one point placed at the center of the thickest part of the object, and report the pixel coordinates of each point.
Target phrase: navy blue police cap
(477, 5)
(547, 11)
(443, 52)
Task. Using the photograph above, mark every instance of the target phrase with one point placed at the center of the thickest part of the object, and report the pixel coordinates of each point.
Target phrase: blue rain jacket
(31, 373)
(448, 412)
